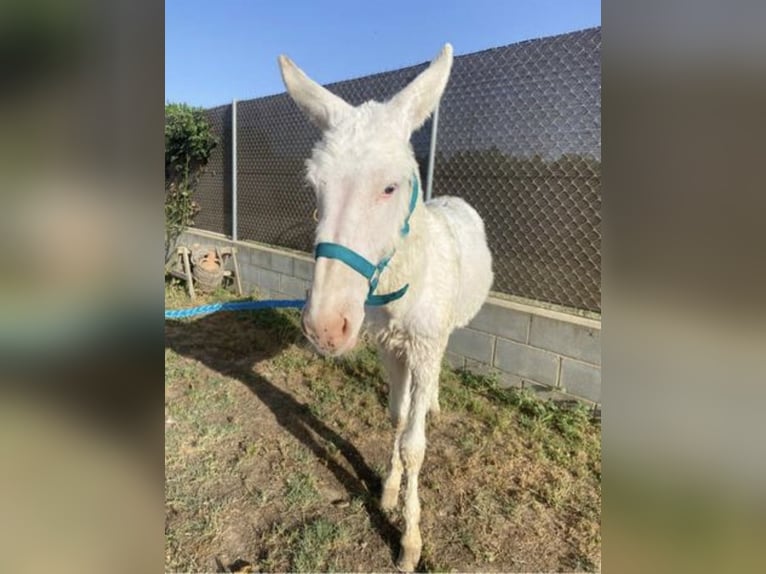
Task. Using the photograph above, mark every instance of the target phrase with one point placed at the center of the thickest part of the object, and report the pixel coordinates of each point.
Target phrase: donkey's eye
(390, 189)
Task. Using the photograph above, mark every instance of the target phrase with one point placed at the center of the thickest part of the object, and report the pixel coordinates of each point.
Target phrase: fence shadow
(230, 343)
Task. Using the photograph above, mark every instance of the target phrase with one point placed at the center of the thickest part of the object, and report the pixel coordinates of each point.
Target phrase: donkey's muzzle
(330, 332)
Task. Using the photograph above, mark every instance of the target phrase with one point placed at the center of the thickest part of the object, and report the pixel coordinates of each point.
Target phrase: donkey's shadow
(230, 344)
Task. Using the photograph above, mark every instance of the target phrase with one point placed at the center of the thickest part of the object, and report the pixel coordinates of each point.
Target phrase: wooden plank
(187, 270)
(236, 270)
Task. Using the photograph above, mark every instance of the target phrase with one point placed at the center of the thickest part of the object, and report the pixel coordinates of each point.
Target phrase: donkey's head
(365, 177)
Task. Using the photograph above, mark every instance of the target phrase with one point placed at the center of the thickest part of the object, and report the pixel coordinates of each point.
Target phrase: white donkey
(414, 270)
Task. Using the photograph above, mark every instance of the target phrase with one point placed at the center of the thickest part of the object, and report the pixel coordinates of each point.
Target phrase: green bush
(188, 145)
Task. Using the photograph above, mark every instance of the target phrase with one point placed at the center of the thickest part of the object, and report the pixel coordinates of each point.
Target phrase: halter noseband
(368, 270)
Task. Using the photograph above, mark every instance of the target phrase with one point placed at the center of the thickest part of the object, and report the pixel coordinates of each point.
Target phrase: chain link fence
(520, 140)
(213, 194)
(519, 137)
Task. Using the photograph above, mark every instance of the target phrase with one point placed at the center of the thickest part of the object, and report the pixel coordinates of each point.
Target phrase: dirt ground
(274, 458)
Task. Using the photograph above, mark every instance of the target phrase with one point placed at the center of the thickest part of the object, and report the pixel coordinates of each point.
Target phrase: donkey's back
(473, 261)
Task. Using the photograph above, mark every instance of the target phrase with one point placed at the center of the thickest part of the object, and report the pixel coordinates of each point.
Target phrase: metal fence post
(432, 152)
(234, 170)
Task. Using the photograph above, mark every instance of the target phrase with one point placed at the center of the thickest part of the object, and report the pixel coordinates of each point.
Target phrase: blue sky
(219, 50)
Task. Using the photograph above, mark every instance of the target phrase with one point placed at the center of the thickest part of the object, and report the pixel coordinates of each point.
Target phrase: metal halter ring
(315, 215)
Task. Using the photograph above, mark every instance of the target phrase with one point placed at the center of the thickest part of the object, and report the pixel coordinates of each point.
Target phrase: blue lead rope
(234, 306)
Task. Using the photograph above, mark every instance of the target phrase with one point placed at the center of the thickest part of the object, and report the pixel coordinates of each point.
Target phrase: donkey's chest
(399, 337)
(387, 330)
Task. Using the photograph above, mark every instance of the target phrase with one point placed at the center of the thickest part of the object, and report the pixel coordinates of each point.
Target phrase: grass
(300, 490)
(314, 545)
(272, 454)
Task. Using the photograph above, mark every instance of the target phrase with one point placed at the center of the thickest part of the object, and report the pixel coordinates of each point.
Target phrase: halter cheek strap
(368, 270)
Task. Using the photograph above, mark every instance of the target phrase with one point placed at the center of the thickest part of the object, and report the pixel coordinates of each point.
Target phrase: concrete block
(509, 381)
(480, 368)
(553, 395)
(294, 287)
(282, 263)
(260, 257)
(472, 345)
(576, 341)
(526, 362)
(248, 273)
(251, 290)
(503, 322)
(546, 393)
(504, 380)
(268, 280)
(581, 379)
(303, 269)
(536, 388)
(453, 360)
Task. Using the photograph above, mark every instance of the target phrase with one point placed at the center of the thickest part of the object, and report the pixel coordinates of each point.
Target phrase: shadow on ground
(231, 343)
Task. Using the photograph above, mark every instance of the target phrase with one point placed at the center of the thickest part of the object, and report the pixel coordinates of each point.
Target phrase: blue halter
(362, 266)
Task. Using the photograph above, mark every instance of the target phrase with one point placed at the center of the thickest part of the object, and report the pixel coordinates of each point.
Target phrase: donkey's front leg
(398, 405)
(435, 409)
(413, 447)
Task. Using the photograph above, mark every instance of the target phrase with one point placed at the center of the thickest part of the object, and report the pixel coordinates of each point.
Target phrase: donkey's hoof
(408, 560)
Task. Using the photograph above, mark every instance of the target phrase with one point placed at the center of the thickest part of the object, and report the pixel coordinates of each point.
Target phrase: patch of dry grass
(274, 458)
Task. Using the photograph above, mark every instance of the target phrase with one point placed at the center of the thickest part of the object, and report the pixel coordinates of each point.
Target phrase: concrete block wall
(548, 351)
(271, 273)
(553, 353)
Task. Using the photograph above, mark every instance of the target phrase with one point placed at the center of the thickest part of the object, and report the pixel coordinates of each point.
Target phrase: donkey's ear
(321, 106)
(416, 101)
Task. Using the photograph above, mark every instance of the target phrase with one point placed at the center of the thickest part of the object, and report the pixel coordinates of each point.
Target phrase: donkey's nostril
(344, 329)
